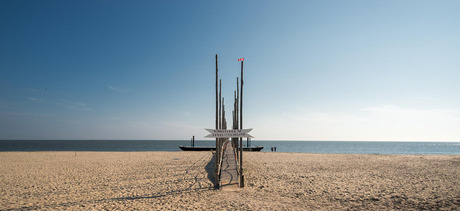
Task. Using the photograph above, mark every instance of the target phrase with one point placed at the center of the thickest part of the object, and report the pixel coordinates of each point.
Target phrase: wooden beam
(241, 127)
(216, 177)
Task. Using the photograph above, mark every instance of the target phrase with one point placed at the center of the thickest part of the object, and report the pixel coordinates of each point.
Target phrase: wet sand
(183, 180)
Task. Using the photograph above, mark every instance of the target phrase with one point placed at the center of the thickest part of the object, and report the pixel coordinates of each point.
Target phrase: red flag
(241, 59)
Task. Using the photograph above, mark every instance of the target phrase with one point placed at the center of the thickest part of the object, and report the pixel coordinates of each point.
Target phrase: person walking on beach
(271, 149)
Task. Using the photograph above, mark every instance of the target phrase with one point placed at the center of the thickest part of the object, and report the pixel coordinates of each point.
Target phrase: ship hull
(189, 148)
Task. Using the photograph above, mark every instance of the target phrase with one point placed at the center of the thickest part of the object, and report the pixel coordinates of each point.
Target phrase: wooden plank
(229, 174)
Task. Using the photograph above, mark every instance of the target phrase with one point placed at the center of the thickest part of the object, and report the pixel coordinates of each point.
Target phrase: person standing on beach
(271, 149)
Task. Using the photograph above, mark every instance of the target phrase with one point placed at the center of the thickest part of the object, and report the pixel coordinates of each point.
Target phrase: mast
(217, 95)
(216, 178)
(220, 104)
(241, 127)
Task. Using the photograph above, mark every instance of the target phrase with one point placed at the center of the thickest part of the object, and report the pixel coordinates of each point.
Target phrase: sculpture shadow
(210, 169)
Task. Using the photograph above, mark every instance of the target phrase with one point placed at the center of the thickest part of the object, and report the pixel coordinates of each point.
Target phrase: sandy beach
(183, 180)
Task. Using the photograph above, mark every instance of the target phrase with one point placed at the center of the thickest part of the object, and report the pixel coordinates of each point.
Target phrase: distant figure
(271, 149)
(275, 149)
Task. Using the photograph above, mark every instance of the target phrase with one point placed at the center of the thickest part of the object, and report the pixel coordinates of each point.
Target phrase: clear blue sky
(314, 70)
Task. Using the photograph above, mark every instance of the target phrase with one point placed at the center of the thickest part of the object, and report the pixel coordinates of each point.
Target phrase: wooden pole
(220, 118)
(237, 117)
(233, 112)
(233, 115)
(237, 120)
(220, 104)
(224, 121)
(241, 127)
(217, 95)
(216, 178)
(237, 101)
(241, 100)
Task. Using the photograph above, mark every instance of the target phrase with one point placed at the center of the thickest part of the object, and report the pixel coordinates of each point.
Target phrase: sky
(314, 70)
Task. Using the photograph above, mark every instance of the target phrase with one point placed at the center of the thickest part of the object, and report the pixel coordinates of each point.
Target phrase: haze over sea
(345, 147)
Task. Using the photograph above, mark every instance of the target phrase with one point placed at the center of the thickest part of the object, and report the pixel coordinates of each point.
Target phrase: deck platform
(229, 174)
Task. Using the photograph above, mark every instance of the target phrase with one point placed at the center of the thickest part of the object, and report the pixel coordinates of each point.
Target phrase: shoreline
(336, 147)
(278, 152)
(183, 180)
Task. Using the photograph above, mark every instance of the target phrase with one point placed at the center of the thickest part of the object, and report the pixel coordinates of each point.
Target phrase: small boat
(256, 148)
(193, 148)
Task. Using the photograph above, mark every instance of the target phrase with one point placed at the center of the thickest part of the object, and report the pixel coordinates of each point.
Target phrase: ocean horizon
(327, 147)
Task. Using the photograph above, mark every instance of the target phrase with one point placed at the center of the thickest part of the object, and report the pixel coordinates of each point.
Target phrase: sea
(334, 147)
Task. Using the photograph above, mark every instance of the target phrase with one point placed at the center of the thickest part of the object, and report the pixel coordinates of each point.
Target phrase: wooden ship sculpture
(221, 122)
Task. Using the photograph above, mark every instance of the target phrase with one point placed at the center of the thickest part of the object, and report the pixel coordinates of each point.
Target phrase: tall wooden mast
(241, 127)
(216, 177)
(217, 94)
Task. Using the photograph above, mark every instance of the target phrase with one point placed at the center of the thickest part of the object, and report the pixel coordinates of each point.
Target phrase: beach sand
(183, 180)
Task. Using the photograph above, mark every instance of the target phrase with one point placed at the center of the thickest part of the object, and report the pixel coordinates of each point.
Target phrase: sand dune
(183, 180)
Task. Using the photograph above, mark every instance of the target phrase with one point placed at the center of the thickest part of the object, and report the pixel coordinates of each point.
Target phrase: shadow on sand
(210, 169)
(210, 175)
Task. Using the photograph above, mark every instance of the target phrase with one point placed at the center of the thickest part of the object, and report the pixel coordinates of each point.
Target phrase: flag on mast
(241, 59)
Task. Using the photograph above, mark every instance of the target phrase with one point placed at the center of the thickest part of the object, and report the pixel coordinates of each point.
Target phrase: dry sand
(183, 180)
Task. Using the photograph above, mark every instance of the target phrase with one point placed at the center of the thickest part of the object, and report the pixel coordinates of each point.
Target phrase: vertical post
(237, 118)
(241, 127)
(220, 120)
(220, 104)
(234, 110)
(224, 121)
(216, 178)
(237, 101)
(193, 141)
(241, 100)
(217, 94)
